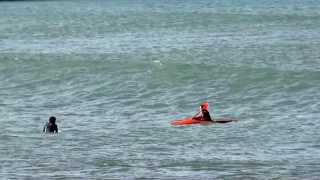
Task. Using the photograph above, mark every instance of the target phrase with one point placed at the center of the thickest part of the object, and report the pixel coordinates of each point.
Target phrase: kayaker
(51, 126)
(203, 114)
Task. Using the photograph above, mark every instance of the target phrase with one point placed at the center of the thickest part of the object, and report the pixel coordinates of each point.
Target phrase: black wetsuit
(206, 115)
(50, 128)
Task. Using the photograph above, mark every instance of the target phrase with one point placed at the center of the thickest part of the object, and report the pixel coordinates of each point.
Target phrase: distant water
(116, 72)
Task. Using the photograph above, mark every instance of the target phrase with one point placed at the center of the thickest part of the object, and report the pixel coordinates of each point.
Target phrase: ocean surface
(115, 73)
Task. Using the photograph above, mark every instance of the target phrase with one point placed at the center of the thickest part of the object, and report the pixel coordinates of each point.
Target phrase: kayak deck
(188, 121)
(191, 121)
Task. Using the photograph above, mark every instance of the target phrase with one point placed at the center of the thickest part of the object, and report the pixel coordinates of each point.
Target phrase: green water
(115, 73)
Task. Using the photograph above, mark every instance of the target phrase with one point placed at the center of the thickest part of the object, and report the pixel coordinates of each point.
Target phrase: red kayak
(190, 121)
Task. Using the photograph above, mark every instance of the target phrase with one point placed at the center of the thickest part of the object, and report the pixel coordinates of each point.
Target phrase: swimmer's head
(52, 119)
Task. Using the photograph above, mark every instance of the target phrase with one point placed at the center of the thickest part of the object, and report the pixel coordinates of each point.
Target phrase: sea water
(116, 72)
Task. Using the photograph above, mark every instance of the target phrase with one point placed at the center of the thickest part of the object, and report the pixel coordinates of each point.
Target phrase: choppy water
(115, 73)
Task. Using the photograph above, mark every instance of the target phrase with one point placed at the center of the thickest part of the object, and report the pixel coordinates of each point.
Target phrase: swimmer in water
(51, 126)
